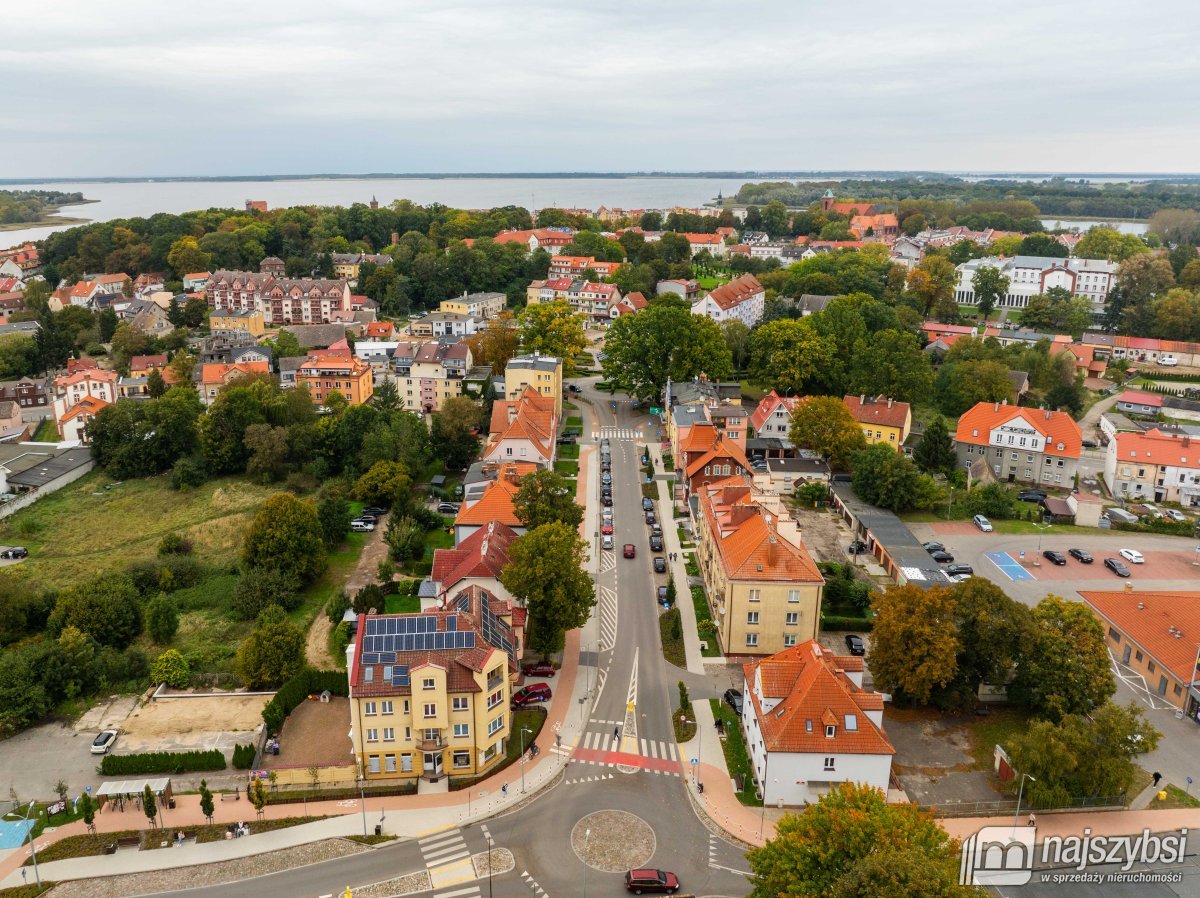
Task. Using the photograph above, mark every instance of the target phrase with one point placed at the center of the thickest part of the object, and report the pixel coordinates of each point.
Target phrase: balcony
(437, 743)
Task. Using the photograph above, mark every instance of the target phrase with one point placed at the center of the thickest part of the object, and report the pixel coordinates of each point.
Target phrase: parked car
(648, 880)
(1116, 566)
(1132, 555)
(566, 440)
(933, 547)
(102, 743)
(448, 508)
(650, 518)
(733, 698)
(656, 544)
(1168, 361)
(369, 518)
(11, 552)
(941, 557)
(606, 500)
(606, 542)
(662, 595)
(647, 503)
(660, 565)
(531, 695)
(375, 510)
(1090, 444)
(1081, 555)
(1054, 557)
(539, 669)
(963, 569)
(1035, 496)
(629, 551)
(855, 645)
(573, 388)
(1176, 515)
(362, 526)
(604, 443)
(857, 547)
(606, 527)
(982, 523)
(656, 529)
(606, 477)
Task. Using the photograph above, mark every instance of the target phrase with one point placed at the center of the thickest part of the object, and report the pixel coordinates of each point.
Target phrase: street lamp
(699, 750)
(1020, 792)
(524, 730)
(491, 861)
(763, 819)
(33, 849)
(363, 799)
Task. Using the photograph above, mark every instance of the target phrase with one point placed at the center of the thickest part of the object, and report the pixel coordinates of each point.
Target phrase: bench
(123, 842)
(235, 795)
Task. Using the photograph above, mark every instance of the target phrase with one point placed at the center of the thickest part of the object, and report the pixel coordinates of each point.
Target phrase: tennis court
(1009, 566)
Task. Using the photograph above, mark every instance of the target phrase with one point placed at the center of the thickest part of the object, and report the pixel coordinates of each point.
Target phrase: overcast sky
(220, 87)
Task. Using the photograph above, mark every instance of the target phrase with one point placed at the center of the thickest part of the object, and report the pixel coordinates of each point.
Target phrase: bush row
(297, 689)
(844, 622)
(162, 762)
(243, 756)
(1158, 525)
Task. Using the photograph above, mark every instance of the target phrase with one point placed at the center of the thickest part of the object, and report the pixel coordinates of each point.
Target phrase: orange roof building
(1020, 444)
(883, 420)
(494, 505)
(810, 724)
(1154, 465)
(214, 377)
(707, 456)
(743, 299)
(1155, 635)
(476, 561)
(523, 429)
(335, 370)
(763, 587)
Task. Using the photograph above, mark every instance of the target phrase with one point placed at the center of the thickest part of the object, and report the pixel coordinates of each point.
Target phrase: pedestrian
(504, 790)
(1032, 820)
(1157, 776)
(616, 733)
(558, 740)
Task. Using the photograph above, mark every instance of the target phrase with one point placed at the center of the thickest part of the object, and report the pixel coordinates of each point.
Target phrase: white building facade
(1029, 276)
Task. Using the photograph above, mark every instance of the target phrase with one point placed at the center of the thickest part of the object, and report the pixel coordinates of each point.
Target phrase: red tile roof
(88, 406)
(1058, 428)
(813, 691)
(1157, 448)
(878, 410)
(767, 406)
(218, 373)
(747, 539)
(1150, 626)
(496, 503)
(1137, 397)
(482, 554)
(736, 292)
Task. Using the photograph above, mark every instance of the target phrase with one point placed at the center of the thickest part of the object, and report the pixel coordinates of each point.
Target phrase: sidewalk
(1101, 823)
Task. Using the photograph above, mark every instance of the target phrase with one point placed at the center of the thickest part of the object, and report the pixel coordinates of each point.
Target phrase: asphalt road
(635, 701)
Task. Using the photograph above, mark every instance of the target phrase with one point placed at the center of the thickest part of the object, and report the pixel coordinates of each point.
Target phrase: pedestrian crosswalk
(617, 433)
(444, 848)
(472, 891)
(648, 748)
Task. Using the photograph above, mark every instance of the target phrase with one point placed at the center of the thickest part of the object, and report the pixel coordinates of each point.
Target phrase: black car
(656, 544)
(854, 645)
(941, 557)
(857, 547)
(647, 503)
(1031, 495)
(733, 698)
(1090, 444)
(650, 518)
(374, 510)
(14, 552)
(933, 547)
(1054, 557)
(660, 565)
(566, 440)
(964, 570)
(1116, 566)
(606, 500)
(1080, 555)
(662, 595)
(606, 478)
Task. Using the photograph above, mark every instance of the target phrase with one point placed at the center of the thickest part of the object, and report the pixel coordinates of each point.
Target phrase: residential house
(217, 348)
(149, 282)
(278, 299)
(78, 397)
(1143, 349)
(523, 429)
(326, 372)
(196, 281)
(478, 561)
(272, 265)
(26, 259)
(1137, 402)
(380, 330)
(430, 693)
(810, 725)
(427, 374)
(706, 456)
(30, 393)
(228, 320)
(772, 417)
(1027, 276)
(1020, 444)
(908, 251)
(475, 305)
(289, 366)
(742, 299)
(13, 428)
(713, 244)
(1153, 465)
(880, 225)
(444, 324)
(347, 265)
(685, 289)
(595, 301)
(883, 420)
(549, 239)
(254, 353)
(142, 365)
(113, 284)
(376, 353)
(763, 587)
(213, 378)
(493, 504)
(575, 266)
(544, 373)
(631, 304)
(151, 319)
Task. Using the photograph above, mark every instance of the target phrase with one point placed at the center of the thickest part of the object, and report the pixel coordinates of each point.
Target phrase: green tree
(1108, 243)
(286, 345)
(207, 806)
(273, 652)
(664, 340)
(1066, 668)
(186, 257)
(333, 512)
(453, 434)
(162, 618)
(545, 569)
(960, 385)
(737, 339)
(935, 453)
(386, 397)
(195, 311)
(496, 344)
(886, 478)
(852, 839)
(258, 795)
(286, 536)
(545, 496)
(18, 356)
(1042, 245)
(789, 354)
(891, 363)
(914, 642)
(87, 810)
(171, 668)
(933, 282)
(155, 385)
(823, 424)
(107, 608)
(405, 538)
(990, 287)
(260, 587)
(77, 657)
(552, 328)
(386, 484)
(268, 452)
(992, 631)
(775, 219)
(149, 805)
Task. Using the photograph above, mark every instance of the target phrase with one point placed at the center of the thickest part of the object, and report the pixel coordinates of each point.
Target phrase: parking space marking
(1009, 566)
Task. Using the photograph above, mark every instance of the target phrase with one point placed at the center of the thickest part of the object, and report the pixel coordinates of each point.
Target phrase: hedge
(162, 762)
(243, 756)
(297, 689)
(1158, 525)
(844, 622)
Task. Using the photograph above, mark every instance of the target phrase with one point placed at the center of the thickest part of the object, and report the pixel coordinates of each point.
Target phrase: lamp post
(524, 730)
(491, 861)
(33, 849)
(1020, 792)
(699, 749)
(763, 819)
(949, 503)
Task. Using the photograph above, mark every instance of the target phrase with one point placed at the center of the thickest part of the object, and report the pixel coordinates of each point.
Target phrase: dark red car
(539, 669)
(650, 880)
(531, 695)
(629, 551)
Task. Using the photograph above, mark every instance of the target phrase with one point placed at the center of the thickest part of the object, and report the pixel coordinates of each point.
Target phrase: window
(829, 763)
(793, 595)
(428, 683)
(389, 734)
(751, 639)
(1114, 635)
(1178, 689)
(792, 619)
(754, 595)
(368, 674)
(462, 759)
(495, 698)
(751, 617)
(430, 709)
(389, 763)
(385, 707)
(789, 640)
(1162, 685)
(1139, 655)
(372, 735)
(1150, 667)
(462, 730)
(369, 709)
(372, 763)
(406, 706)
(830, 731)
(406, 763)
(495, 725)
(459, 703)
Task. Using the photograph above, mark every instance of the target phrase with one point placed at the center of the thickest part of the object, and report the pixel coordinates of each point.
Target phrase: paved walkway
(1101, 823)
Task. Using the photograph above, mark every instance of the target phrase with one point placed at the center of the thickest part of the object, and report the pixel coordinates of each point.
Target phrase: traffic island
(613, 841)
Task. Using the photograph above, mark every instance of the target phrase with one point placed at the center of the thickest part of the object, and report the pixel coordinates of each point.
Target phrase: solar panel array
(495, 631)
(400, 675)
(415, 642)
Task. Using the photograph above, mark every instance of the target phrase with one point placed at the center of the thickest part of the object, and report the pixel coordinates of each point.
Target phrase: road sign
(695, 761)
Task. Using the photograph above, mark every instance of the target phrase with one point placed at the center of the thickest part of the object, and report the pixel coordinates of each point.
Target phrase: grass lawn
(752, 392)
(574, 422)
(700, 603)
(670, 627)
(668, 461)
(992, 730)
(569, 406)
(566, 467)
(402, 604)
(684, 541)
(46, 432)
(692, 567)
(531, 719)
(737, 760)
(1176, 798)
(570, 451)
(650, 491)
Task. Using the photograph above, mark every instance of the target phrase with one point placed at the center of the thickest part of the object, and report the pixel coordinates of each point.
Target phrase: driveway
(933, 760)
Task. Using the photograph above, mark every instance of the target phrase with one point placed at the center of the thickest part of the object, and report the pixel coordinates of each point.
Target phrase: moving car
(933, 547)
(362, 526)
(1132, 555)
(1081, 555)
(104, 742)
(573, 388)
(447, 508)
(539, 669)
(982, 523)
(855, 645)
(961, 569)
(531, 695)
(1116, 566)
(648, 880)
(941, 557)
(733, 698)
(1054, 557)
(660, 565)
(629, 551)
(1031, 495)
(656, 544)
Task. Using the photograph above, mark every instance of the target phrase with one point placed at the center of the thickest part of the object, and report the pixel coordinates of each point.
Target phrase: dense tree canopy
(286, 536)
(545, 570)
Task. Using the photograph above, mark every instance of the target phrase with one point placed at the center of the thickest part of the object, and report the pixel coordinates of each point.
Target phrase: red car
(606, 528)
(539, 669)
(650, 880)
(531, 695)
(629, 551)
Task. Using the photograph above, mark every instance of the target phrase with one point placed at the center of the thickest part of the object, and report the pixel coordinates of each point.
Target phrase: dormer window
(830, 731)
(851, 723)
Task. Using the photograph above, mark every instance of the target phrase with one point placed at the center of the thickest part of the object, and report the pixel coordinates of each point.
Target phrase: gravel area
(501, 860)
(613, 841)
(203, 875)
(390, 888)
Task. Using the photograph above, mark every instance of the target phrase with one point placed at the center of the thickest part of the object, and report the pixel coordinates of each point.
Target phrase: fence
(1009, 806)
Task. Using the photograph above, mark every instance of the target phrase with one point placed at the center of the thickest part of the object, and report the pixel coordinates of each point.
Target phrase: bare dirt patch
(186, 724)
(314, 735)
(316, 643)
(824, 534)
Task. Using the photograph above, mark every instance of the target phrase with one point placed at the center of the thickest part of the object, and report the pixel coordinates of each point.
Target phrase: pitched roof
(1150, 625)
(88, 405)
(767, 406)
(496, 503)
(807, 689)
(217, 373)
(139, 362)
(747, 537)
(482, 554)
(878, 410)
(704, 239)
(1157, 448)
(1137, 397)
(1058, 428)
(84, 375)
(736, 292)
(530, 416)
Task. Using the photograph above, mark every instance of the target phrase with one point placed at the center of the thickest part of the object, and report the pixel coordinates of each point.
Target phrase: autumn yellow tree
(914, 643)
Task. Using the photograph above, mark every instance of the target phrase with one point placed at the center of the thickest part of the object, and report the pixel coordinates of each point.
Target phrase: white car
(1133, 556)
(982, 523)
(1169, 360)
(1176, 515)
(102, 743)
(362, 526)
(606, 542)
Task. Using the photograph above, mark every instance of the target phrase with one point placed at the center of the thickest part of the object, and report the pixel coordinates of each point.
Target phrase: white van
(1169, 361)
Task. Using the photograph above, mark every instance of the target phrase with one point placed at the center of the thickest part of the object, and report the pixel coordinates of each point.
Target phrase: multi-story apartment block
(1028, 276)
(575, 266)
(476, 305)
(596, 302)
(544, 373)
(427, 374)
(1154, 466)
(279, 300)
(223, 321)
(325, 373)
(79, 396)
(1020, 444)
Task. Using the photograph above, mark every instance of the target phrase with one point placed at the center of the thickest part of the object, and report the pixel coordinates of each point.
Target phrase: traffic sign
(695, 761)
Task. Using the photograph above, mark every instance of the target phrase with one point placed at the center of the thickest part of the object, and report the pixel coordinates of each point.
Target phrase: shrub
(189, 473)
(171, 668)
(259, 588)
(336, 609)
(174, 544)
(992, 501)
(843, 622)
(370, 596)
(162, 762)
(341, 637)
(297, 689)
(165, 574)
(162, 618)
(243, 756)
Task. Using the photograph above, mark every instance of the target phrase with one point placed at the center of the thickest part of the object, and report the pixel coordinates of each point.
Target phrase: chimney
(1141, 606)
(890, 401)
(996, 407)
(862, 398)
(1047, 414)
